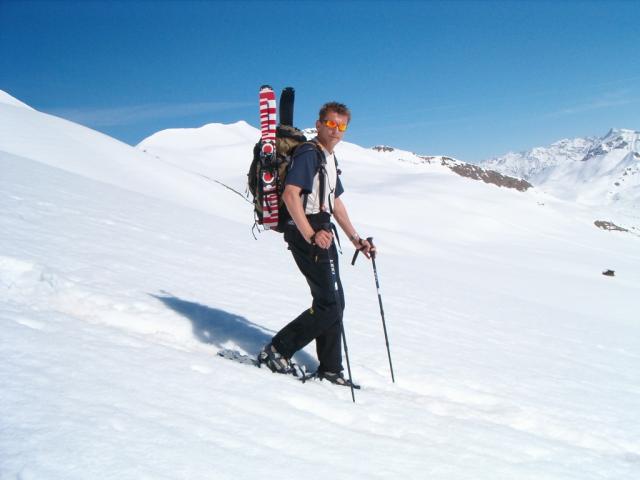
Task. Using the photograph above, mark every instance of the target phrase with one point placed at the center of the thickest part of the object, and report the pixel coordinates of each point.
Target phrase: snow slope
(514, 356)
(77, 149)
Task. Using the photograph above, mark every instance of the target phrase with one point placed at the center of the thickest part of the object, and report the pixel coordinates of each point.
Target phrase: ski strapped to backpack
(271, 158)
(268, 157)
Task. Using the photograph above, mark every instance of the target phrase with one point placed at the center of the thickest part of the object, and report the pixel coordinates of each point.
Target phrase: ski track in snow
(514, 356)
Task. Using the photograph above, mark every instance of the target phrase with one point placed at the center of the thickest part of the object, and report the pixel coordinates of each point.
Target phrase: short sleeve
(303, 168)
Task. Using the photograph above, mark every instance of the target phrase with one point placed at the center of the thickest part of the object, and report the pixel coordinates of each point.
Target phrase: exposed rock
(606, 225)
(425, 158)
(487, 176)
(383, 148)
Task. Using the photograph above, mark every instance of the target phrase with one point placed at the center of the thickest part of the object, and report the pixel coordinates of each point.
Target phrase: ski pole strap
(335, 231)
(355, 255)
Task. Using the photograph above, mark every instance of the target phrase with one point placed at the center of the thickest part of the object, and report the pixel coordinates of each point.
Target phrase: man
(312, 196)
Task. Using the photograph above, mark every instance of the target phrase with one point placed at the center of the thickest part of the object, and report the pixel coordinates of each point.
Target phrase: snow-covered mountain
(593, 171)
(123, 272)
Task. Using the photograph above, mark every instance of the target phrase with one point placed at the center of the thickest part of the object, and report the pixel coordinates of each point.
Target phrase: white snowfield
(122, 273)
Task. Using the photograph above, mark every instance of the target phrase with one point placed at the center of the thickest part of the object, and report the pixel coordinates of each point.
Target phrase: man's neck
(324, 146)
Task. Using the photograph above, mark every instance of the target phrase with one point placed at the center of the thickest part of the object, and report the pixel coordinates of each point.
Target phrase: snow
(7, 99)
(598, 172)
(122, 273)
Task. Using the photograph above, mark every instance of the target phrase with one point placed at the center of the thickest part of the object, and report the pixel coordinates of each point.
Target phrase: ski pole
(336, 291)
(384, 324)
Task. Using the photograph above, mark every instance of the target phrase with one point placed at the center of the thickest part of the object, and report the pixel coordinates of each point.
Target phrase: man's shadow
(217, 327)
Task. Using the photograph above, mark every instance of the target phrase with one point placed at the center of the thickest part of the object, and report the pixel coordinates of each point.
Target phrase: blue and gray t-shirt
(303, 173)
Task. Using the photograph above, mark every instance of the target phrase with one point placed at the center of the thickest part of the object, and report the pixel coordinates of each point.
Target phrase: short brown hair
(339, 108)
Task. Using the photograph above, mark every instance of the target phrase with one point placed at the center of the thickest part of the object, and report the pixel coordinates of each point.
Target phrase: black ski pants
(321, 322)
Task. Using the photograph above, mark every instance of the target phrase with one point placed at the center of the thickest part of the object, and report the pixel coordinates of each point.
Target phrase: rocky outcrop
(382, 148)
(606, 225)
(488, 176)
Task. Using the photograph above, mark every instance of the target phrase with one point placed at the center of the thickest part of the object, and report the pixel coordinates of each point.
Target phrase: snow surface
(122, 273)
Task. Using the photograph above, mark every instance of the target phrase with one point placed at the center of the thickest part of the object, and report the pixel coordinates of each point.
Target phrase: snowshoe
(336, 379)
(275, 362)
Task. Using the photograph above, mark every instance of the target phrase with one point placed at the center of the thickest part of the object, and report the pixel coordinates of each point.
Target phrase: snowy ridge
(215, 134)
(122, 273)
(7, 99)
(458, 167)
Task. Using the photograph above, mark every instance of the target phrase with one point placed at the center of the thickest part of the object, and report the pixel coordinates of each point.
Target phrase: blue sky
(471, 79)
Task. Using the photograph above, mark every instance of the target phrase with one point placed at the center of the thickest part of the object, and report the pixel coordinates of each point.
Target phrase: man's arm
(293, 200)
(342, 217)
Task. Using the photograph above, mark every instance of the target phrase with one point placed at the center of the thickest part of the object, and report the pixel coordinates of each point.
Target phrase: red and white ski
(269, 176)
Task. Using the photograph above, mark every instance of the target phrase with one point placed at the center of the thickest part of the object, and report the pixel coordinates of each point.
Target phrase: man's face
(330, 137)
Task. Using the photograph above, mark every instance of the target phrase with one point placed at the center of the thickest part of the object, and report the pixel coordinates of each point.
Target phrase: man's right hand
(322, 238)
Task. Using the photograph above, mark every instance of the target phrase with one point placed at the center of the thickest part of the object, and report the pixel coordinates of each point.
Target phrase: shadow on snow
(216, 327)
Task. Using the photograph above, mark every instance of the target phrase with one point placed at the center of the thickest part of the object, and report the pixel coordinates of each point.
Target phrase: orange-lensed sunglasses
(331, 124)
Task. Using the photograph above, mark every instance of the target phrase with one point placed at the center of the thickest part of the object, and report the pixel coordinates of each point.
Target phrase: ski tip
(266, 87)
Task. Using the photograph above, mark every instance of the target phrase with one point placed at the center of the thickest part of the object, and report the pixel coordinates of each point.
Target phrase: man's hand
(322, 238)
(365, 246)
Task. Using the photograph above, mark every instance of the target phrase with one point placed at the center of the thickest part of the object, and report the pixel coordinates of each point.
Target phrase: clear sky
(470, 79)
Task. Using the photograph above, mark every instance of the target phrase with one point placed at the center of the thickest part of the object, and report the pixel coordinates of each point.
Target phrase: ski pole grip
(373, 253)
(355, 255)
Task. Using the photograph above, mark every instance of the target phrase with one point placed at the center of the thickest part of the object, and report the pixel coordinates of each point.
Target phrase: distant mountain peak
(310, 132)
(592, 170)
(615, 139)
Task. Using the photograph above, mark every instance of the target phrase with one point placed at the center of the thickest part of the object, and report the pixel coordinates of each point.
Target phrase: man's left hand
(367, 248)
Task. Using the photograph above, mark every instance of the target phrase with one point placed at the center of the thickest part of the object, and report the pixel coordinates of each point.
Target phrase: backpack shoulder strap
(304, 148)
(322, 172)
(321, 161)
(322, 176)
